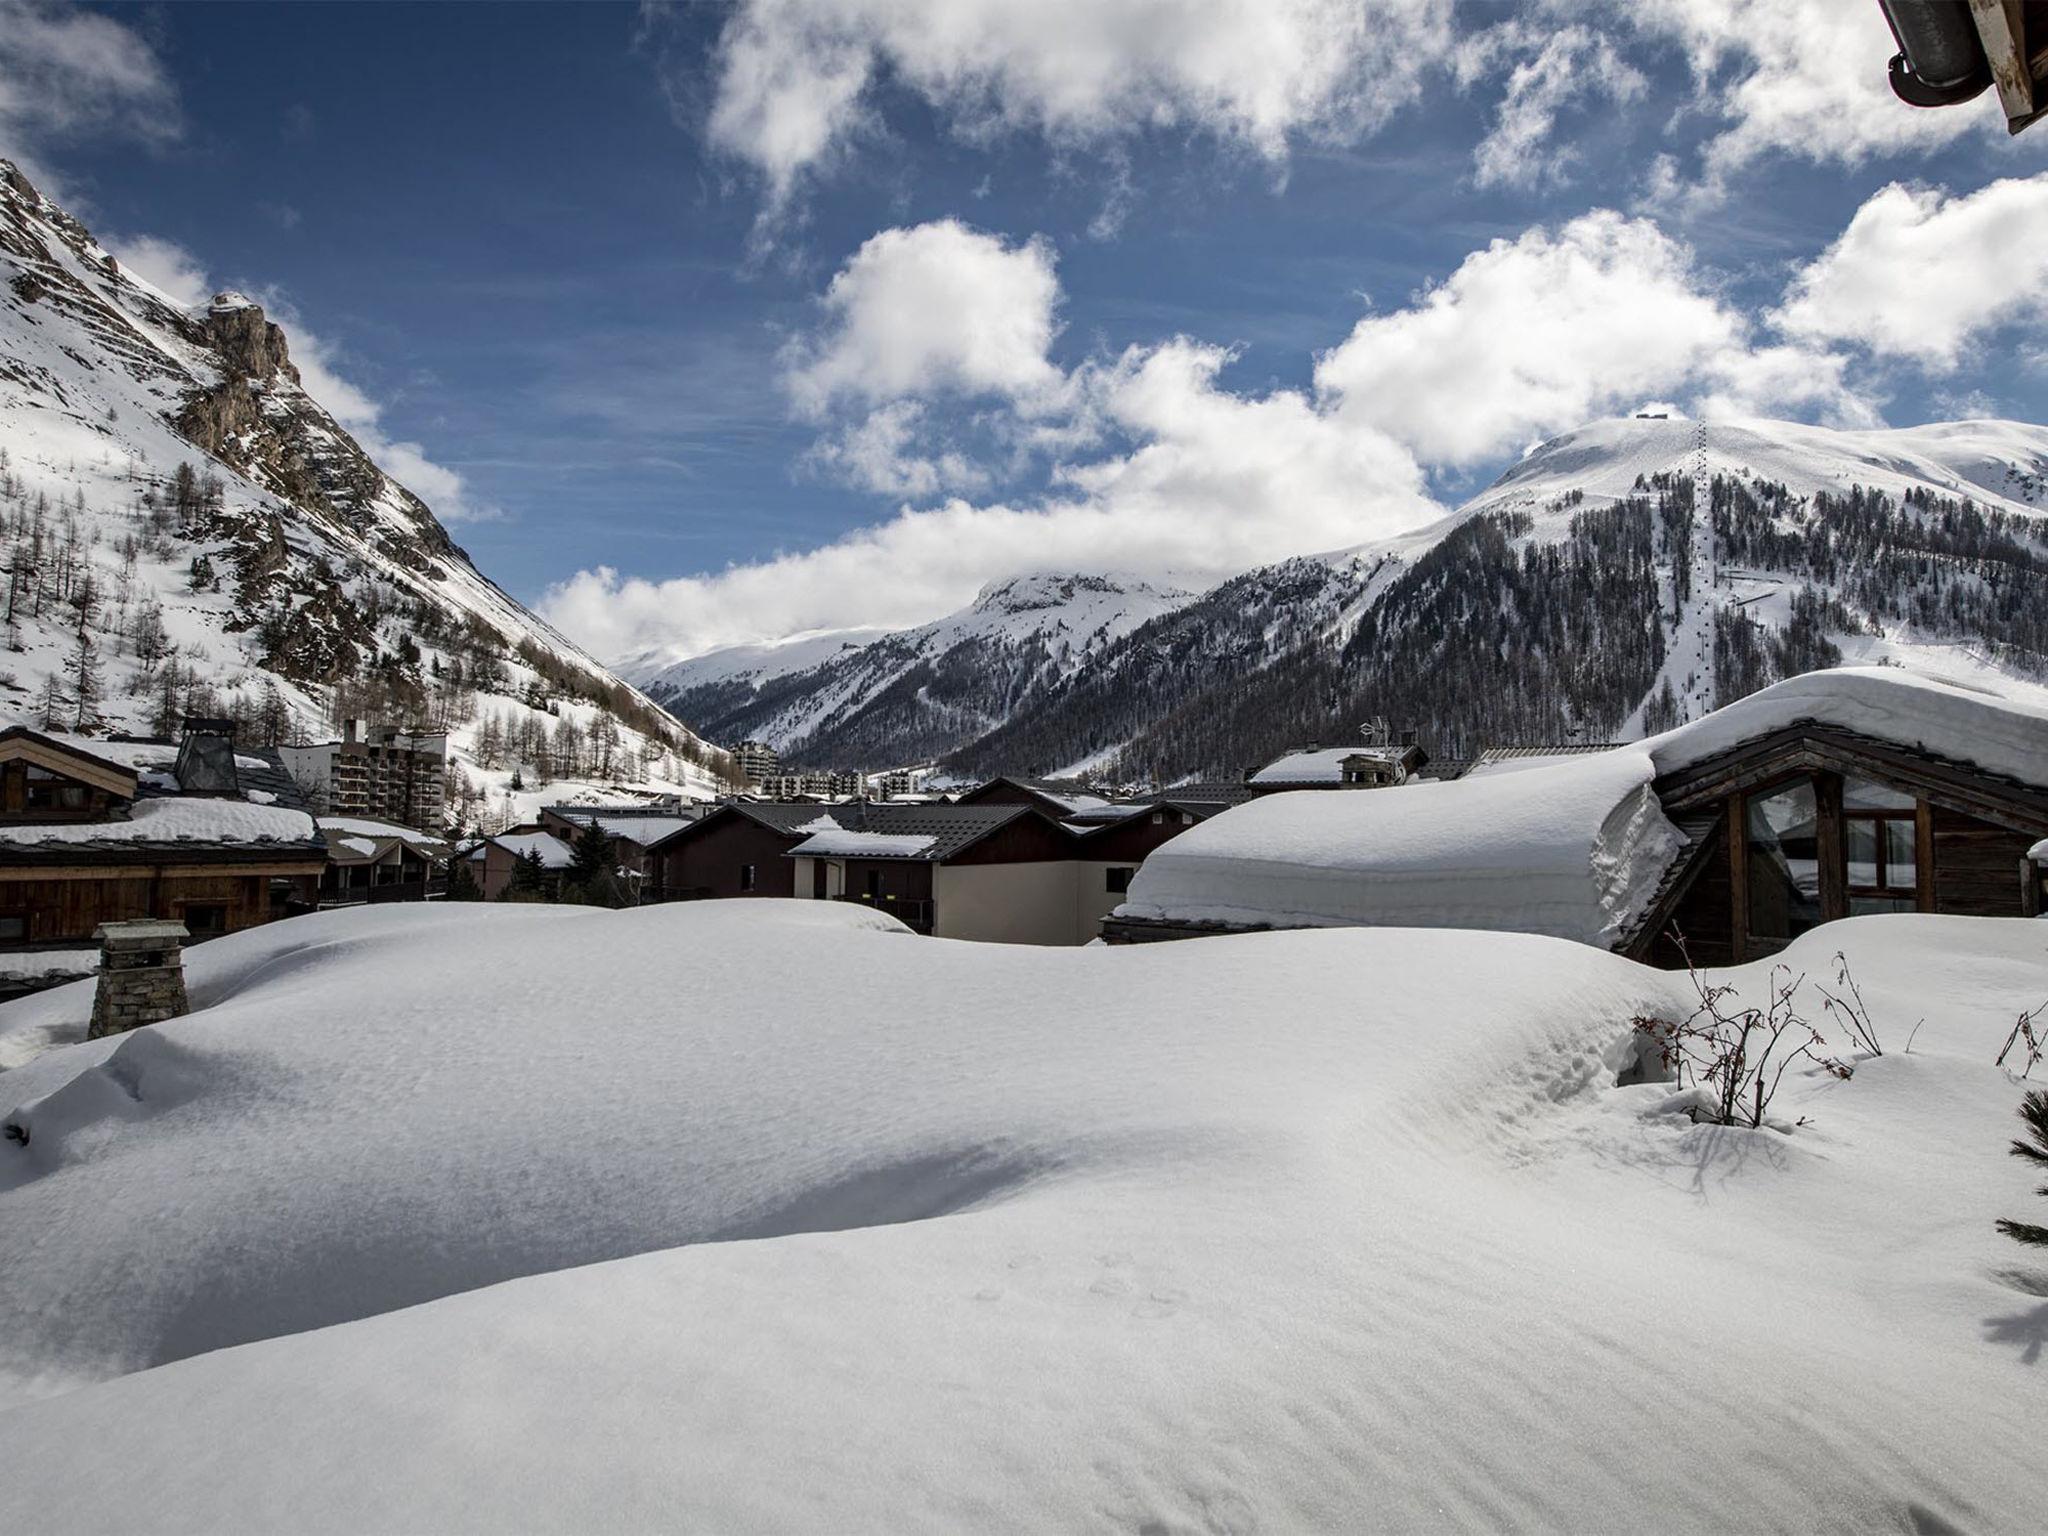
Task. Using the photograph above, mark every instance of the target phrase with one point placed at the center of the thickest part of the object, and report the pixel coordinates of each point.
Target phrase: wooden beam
(2003, 31)
(1827, 826)
(1923, 855)
(1738, 875)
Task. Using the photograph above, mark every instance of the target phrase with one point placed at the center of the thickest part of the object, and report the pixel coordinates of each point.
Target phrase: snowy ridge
(1003, 1268)
(1997, 463)
(286, 581)
(857, 699)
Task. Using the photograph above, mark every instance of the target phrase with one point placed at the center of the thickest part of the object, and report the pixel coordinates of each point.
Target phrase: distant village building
(756, 761)
(196, 831)
(384, 773)
(1830, 795)
(815, 784)
(1009, 864)
(637, 833)
(492, 860)
(379, 861)
(1369, 765)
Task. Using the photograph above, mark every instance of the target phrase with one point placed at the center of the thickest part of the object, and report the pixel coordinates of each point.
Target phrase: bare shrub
(2025, 1032)
(1739, 1055)
(1847, 1007)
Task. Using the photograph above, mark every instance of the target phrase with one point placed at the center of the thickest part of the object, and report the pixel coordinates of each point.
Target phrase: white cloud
(1213, 484)
(1552, 68)
(878, 453)
(1802, 78)
(796, 78)
(1542, 332)
(67, 72)
(164, 265)
(1167, 470)
(933, 309)
(1921, 275)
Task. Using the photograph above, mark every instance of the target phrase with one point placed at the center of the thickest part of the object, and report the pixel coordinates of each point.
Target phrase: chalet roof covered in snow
(1514, 759)
(1323, 765)
(553, 852)
(1576, 847)
(1571, 851)
(888, 830)
(268, 815)
(644, 829)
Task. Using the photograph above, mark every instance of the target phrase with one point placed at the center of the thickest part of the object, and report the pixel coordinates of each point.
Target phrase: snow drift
(767, 1216)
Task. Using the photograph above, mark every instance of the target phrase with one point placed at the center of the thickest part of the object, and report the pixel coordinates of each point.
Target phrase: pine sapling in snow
(2034, 1148)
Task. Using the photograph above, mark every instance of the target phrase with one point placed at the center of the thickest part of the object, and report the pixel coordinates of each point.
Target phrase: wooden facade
(57, 892)
(729, 853)
(1811, 824)
(63, 905)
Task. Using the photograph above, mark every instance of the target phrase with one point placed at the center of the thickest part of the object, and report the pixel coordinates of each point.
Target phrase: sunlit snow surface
(764, 1215)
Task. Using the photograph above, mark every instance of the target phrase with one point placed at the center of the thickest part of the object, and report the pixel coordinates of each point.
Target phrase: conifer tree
(462, 884)
(529, 878)
(2034, 1111)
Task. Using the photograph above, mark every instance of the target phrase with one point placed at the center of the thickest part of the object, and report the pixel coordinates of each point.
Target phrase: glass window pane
(1863, 795)
(1784, 863)
(1899, 843)
(1859, 841)
(1861, 906)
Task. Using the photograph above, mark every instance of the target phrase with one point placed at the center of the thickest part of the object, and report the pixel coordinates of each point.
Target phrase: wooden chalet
(375, 861)
(493, 859)
(193, 831)
(1835, 794)
(1816, 822)
(637, 833)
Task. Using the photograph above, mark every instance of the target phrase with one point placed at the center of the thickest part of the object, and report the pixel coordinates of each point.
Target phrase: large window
(1880, 840)
(1784, 862)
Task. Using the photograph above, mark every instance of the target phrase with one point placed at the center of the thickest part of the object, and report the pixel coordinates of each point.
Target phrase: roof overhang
(19, 743)
(1810, 747)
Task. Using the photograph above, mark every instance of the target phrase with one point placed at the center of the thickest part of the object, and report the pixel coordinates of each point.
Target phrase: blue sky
(584, 258)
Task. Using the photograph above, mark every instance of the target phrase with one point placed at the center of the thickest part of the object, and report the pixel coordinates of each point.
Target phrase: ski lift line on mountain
(1951, 52)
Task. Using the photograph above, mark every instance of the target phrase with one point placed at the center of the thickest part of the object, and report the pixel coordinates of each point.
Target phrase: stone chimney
(142, 976)
(206, 759)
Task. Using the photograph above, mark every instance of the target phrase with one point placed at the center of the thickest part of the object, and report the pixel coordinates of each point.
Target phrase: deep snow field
(769, 1216)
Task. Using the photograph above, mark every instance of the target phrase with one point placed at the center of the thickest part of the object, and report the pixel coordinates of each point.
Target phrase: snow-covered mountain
(858, 698)
(185, 529)
(1559, 602)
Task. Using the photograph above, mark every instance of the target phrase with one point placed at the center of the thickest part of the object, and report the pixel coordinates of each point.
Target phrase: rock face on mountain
(1552, 606)
(185, 527)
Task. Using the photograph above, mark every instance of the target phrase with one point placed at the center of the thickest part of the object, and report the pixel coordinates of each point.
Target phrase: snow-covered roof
(173, 819)
(830, 840)
(1324, 765)
(367, 826)
(644, 830)
(2004, 735)
(554, 853)
(1573, 847)
(1573, 851)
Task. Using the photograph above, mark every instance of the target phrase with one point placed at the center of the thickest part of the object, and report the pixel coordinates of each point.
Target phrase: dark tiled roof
(951, 828)
(271, 779)
(1543, 749)
(1211, 792)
